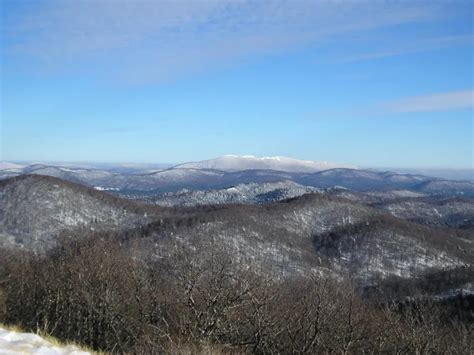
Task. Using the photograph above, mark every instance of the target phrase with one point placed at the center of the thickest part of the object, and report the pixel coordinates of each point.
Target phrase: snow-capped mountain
(249, 162)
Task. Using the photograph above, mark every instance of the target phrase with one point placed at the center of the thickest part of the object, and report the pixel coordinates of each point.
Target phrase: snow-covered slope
(250, 162)
(315, 231)
(252, 193)
(35, 208)
(8, 165)
(12, 342)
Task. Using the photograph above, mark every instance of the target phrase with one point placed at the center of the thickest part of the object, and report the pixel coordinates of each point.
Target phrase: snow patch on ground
(12, 342)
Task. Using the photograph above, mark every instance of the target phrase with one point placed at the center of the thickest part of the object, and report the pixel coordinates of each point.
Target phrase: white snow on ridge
(12, 342)
(249, 162)
(251, 193)
(7, 165)
(100, 188)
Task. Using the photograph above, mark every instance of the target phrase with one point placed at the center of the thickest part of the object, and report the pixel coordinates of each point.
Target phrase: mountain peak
(233, 162)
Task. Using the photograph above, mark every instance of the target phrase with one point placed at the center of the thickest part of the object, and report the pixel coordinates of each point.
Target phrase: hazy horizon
(172, 164)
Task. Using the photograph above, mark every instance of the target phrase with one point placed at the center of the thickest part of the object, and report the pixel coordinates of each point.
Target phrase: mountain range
(230, 171)
(289, 216)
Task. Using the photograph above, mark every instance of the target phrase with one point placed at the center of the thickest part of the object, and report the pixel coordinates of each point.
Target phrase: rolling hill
(314, 233)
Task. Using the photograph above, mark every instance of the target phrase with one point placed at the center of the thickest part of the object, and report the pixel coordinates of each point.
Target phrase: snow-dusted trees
(198, 299)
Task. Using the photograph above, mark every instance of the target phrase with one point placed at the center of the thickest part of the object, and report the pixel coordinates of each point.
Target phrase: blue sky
(367, 83)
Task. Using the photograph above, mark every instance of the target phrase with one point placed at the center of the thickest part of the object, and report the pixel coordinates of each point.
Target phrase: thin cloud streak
(426, 45)
(439, 102)
(449, 101)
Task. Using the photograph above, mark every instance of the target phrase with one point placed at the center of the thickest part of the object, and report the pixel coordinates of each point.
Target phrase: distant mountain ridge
(8, 165)
(231, 163)
(220, 173)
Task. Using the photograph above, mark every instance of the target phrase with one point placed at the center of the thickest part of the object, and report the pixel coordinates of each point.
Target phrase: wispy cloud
(448, 101)
(152, 41)
(437, 102)
(425, 45)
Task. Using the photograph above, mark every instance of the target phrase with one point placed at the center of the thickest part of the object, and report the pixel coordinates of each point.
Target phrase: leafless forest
(94, 292)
